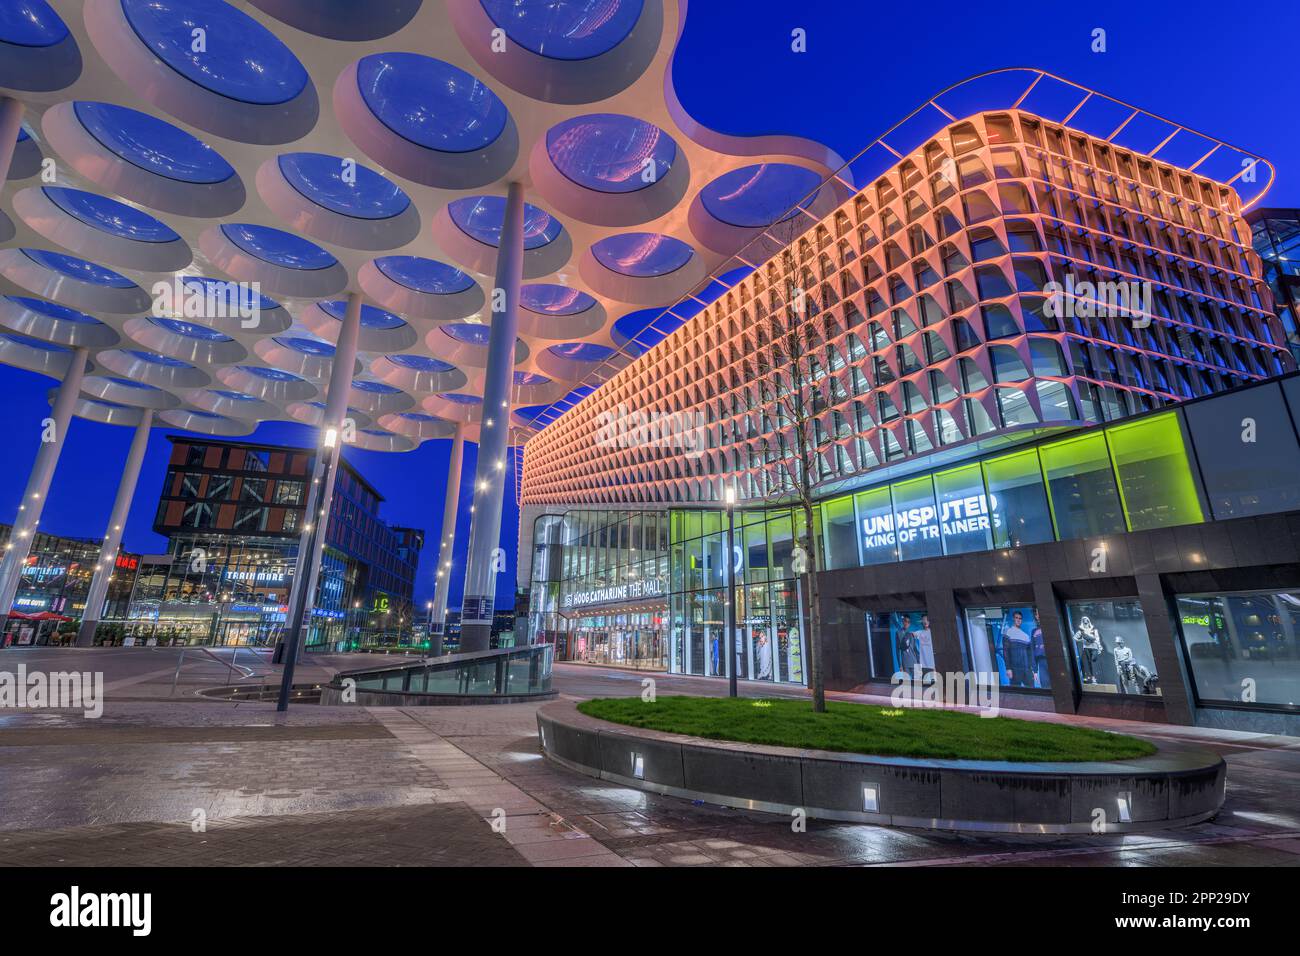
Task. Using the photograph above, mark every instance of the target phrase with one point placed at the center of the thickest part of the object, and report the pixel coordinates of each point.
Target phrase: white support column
(53, 432)
(106, 565)
(442, 579)
(321, 490)
(482, 564)
(11, 121)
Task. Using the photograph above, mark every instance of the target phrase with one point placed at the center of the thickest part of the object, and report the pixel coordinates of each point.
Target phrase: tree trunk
(816, 682)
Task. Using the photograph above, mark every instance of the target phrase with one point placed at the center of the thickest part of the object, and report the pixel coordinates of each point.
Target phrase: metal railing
(505, 672)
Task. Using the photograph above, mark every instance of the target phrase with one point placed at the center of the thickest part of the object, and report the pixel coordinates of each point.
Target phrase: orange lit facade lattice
(929, 295)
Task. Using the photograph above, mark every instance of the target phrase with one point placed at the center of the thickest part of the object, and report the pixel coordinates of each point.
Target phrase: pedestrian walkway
(214, 783)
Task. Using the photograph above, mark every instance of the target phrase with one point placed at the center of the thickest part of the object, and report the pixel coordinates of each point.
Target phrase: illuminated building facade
(56, 579)
(1014, 344)
(232, 511)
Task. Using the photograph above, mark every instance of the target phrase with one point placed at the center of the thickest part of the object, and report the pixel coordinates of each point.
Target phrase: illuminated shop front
(646, 589)
(599, 587)
(1074, 571)
(55, 581)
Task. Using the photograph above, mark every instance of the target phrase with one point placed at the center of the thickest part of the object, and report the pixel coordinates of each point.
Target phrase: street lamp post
(733, 662)
(299, 609)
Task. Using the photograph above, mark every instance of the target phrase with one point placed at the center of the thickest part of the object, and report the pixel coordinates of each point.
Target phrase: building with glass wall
(55, 581)
(1277, 240)
(1082, 499)
(231, 511)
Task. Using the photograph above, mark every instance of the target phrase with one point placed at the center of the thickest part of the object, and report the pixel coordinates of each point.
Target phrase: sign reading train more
(615, 593)
(920, 530)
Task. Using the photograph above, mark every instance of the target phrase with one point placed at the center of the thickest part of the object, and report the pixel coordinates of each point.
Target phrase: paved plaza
(181, 780)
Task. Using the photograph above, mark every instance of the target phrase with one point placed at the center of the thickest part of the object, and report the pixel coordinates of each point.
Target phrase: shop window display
(1008, 641)
(1243, 648)
(1112, 652)
(899, 641)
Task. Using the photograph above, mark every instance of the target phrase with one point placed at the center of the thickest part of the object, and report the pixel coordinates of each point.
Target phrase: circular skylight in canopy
(610, 153)
(78, 269)
(565, 29)
(430, 102)
(420, 363)
(530, 378)
(469, 332)
(642, 254)
(272, 374)
(457, 399)
(238, 57)
(53, 310)
(424, 275)
(549, 299)
(306, 346)
(758, 196)
(277, 247)
(153, 145)
(481, 217)
(132, 383)
(343, 186)
(30, 23)
(374, 388)
(222, 292)
(190, 330)
(371, 317)
(19, 339)
(153, 358)
(582, 351)
(109, 215)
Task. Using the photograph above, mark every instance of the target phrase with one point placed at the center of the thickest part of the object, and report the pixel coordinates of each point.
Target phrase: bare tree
(790, 392)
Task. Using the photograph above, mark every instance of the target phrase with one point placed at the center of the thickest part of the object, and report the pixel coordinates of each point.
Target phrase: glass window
(1155, 479)
(876, 524)
(916, 524)
(841, 533)
(1260, 475)
(1111, 650)
(1006, 645)
(1017, 500)
(755, 539)
(787, 629)
(252, 489)
(780, 531)
(1081, 487)
(963, 510)
(899, 642)
(1243, 648)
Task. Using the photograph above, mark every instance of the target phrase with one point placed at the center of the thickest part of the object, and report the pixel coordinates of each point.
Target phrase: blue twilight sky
(1222, 68)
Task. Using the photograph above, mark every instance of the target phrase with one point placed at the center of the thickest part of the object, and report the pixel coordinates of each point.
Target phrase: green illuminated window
(1155, 480)
(1017, 500)
(963, 510)
(841, 533)
(1081, 487)
(916, 524)
(876, 526)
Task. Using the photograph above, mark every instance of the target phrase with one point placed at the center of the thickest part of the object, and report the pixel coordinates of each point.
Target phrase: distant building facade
(56, 580)
(232, 512)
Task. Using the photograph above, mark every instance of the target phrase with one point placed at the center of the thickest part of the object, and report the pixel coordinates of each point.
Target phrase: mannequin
(1089, 640)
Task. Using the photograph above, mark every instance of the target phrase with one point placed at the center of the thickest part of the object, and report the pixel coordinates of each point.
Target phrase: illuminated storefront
(1011, 477)
(55, 582)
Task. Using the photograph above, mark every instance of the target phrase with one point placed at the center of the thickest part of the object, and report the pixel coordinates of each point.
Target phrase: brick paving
(467, 786)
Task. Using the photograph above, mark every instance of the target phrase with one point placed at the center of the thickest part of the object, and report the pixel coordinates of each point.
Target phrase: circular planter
(1168, 789)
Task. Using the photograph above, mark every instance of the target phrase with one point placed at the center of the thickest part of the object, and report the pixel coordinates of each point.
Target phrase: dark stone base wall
(1169, 788)
(1152, 566)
